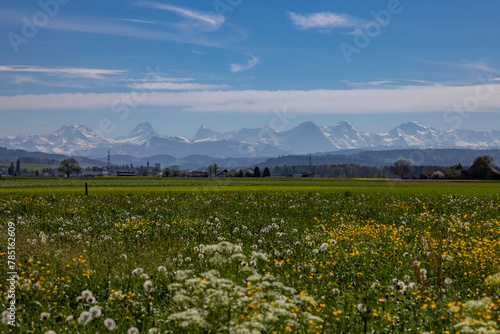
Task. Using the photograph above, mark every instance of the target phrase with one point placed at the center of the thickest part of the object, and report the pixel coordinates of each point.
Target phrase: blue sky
(235, 63)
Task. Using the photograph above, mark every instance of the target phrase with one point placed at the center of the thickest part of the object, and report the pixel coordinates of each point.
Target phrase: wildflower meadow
(311, 260)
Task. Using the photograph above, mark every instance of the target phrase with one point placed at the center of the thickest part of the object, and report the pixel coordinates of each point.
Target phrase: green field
(277, 255)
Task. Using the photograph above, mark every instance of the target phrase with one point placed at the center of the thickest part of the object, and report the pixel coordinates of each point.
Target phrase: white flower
(333, 242)
(335, 291)
(323, 247)
(153, 330)
(86, 294)
(91, 300)
(412, 285)
(124, 256)
(277, 264)
(85, 318)
(137, 271)
(145, 276)
(44, 316)
(315, 251)
(50, 332)
(162, 269)
(148, 286)
(374, 285)
(362, 308)
(423, 272)
(448, 280)
(416, 263)
(69, 319)
(5, 317)
(133, 330)
(110, 324)
(95, 311)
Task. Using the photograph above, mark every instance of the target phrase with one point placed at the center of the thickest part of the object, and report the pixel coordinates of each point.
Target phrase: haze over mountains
(264, 141)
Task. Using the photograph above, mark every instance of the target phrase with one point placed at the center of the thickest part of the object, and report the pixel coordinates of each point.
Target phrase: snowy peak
(410, 128)
(205, 133)
(139, 135)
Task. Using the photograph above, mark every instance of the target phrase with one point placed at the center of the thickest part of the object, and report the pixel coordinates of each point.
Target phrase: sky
(239, 63)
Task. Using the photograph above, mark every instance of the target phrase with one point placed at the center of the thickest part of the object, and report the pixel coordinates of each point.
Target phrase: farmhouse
(482, 169)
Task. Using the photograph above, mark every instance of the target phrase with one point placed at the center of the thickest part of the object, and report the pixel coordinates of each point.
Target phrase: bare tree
(69, 166)
(402, 168)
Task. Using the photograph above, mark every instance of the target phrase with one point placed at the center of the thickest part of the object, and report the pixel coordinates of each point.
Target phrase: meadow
(146, 255)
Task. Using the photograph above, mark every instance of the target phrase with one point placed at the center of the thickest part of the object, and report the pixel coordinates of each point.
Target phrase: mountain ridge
(306, 138)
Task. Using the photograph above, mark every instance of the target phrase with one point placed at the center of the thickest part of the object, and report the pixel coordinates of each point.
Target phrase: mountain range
(142, 141)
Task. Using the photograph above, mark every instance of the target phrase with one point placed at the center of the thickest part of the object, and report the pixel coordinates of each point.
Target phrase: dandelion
(201, 256)
(416, 263)
(50, 332)
(95, 311)
(5, 317)
(137, 271)
(423, 272)
(85, 318)
(133, 330)
(69, 319)
(44, 316)
(91, 300)
(375, 285)
(333, 242)
(124, 256)
(148, 286)
(145, 276)
(86, 294)
(361, 308)
(162, 269)
(110, 324)
(153, 330)
(315, 251)
(323, 247)
(412, 285)
(448, 280)
(277, 264)
(406, 278)
(335, 291)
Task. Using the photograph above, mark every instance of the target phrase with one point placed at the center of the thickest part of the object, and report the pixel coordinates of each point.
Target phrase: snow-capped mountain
(257, 142)
(139, 135)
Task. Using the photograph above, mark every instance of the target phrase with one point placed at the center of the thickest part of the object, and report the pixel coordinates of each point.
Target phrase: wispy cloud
(176, 86)
(209, 20)
(362, 101)
(325, 20)
(250, 63)
(468, 65)
(63, 72)
(136, 21)
(368, 83)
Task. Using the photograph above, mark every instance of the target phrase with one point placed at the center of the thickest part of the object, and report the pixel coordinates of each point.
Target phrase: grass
(100, 185)
(272, 255)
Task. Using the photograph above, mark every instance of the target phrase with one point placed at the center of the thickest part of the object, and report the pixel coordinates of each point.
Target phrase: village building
(482, 169)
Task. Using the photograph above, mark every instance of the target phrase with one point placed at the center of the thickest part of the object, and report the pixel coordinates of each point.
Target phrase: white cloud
(136, 21)
(211, 20)
(325, 20)
(250, 63)
(361, 101)
(61, 71)
(176, 86)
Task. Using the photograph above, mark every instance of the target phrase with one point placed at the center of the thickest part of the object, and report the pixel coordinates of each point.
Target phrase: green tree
(266, 172)
(69, 166)
(167, 172)
(402, 168)
(11, 169)
(256, 172)
(18, 167)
